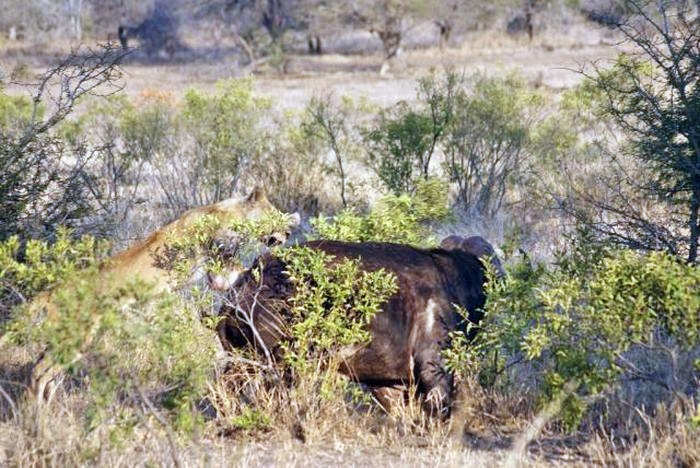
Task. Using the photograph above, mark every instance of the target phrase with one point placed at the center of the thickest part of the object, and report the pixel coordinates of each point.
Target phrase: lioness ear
(257, 195)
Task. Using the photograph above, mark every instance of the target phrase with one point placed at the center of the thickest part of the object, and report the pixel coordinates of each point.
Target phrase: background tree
(401, 143)
(486, 143)
(652, 93)
(328, 121)
(41, 184)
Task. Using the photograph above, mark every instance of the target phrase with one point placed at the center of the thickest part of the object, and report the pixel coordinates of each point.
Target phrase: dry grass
(300, 429)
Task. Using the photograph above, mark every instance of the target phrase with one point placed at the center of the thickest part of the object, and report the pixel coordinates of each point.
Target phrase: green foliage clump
(326, 126)
(396, 146)
(482, 125)
(402, 142)
(393, 218)
(138, 351)
(486, 145)
(651, 94)
(332, 306)
(574, 322)
(27, 270)
(15, 112)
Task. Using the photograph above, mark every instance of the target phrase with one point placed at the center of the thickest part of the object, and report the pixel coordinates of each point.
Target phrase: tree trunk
(693, 222)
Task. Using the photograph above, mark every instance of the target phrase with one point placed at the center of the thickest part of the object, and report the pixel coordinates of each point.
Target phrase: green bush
(486, 144)
(227, 130)
(403, 140)
(26, 270)
(15, 112)
(574, 322)
(326, 126)
(394, 218)
(332, 307)
(396, 146)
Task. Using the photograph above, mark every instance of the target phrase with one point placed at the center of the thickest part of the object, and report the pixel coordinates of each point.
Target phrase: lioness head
(145, 259)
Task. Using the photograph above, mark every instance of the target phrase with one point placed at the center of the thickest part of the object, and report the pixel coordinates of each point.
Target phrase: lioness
(144, 261)
(141, 260)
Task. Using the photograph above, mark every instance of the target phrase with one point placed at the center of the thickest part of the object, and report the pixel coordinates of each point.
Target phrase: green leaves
(393, 218)
(486, 143)
(574, 322)
(401, 143)
(332, 307)
(226, 128)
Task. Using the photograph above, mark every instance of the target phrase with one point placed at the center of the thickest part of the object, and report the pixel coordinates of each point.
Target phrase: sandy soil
(541, 63)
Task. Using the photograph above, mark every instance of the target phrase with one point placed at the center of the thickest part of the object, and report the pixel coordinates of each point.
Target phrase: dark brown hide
(409, 333)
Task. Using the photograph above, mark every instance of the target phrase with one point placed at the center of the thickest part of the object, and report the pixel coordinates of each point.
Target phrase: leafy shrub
(402, 142)
(393, 218)
(326, 124)
(27, 270)
(41, 180)
(156, 152)
(396, 146)
(125, 341)
(574, 323)
(331, 310)
(486, 145)
(226, 128)
(291, 173)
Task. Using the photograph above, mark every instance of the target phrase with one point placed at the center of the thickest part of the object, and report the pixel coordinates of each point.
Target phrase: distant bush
(291, 172)
(226, 127)
(403, 140)
(158, 152)
(327, 124)
(486, 143)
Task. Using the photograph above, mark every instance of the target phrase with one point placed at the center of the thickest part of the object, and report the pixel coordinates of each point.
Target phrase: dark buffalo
(410, 332)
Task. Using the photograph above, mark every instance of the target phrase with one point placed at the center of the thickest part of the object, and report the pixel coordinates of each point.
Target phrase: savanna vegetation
(590, 347)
